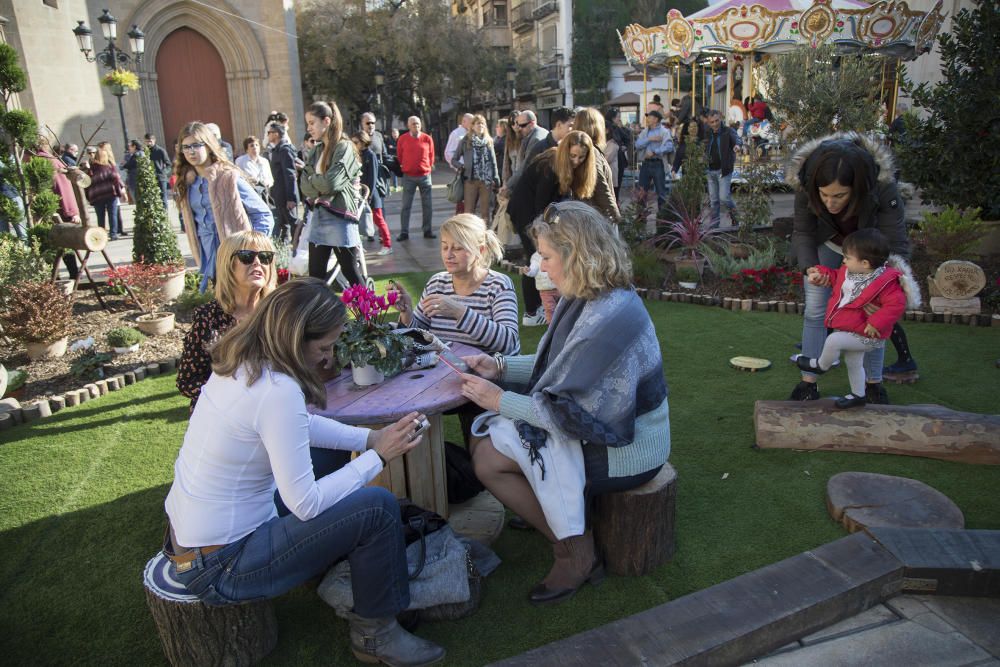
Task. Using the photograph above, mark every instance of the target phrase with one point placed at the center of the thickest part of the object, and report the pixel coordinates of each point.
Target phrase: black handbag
(417, 524)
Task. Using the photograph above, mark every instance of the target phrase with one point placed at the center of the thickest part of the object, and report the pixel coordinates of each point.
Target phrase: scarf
(590, 382)
(856, 283)
(480, 171)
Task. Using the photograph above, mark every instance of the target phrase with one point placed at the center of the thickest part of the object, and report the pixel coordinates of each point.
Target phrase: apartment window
(500, 13)
(549, 39)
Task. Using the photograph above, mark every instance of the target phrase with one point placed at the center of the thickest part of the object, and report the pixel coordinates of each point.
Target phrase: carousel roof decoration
(779, 26)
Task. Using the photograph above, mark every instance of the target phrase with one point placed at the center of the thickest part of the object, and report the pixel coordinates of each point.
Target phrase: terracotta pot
(173, 286)
(54, 350)
(365, 376)
(156, 324)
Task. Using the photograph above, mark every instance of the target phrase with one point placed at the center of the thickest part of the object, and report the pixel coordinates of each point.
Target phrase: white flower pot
(66, 286)
(173, 286)
(154, 325)
(126, 350)
(687, 285)
(54, 350)
(365, 376)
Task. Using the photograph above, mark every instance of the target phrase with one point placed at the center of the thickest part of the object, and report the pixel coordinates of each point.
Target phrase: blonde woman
(215, 198)
(594, 418)
(567, 171)
(331, 181)
(591, 122)
(249, 434)
(476, 160)
(105, 188)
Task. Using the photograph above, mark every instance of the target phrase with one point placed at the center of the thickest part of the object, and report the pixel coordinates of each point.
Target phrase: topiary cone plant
(155, 241)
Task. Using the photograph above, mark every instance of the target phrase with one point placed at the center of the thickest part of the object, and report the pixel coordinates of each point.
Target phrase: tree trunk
(634, 530)
(910, 430)
(77, 237)
(195, 634)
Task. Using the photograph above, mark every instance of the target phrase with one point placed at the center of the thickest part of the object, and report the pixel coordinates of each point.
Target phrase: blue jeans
(720, 192)
(410, 185)
(285, 552)
(814, 328)
(651, 172)
(108, 209)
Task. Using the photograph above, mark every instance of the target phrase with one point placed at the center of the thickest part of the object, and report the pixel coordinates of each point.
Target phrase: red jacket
(415, 154)
(885, 292)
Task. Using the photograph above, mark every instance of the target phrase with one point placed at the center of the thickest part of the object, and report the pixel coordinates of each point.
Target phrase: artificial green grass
(81, 501)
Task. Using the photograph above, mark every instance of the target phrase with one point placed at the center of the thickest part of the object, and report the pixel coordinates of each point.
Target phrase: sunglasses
(523, 124)
(550, 215)
(369, 122)
(190, 148)
(247, 256)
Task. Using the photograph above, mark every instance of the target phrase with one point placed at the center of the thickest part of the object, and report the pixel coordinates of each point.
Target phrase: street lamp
(511, 76)
(112, 57)
(379, 82)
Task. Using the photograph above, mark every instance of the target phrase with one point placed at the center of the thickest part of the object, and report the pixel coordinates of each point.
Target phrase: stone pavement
(909, 630)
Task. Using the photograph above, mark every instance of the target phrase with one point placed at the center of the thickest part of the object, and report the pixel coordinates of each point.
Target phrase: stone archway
(241, 53)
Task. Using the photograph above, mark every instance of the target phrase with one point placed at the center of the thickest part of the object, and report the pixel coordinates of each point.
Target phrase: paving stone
(907, 606)
(904, 643)
(976, 618)
(878, 615)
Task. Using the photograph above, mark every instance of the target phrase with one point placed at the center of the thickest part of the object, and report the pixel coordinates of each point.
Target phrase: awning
(623, 100)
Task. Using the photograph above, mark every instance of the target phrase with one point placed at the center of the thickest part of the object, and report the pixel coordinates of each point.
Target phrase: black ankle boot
(876, 394)
(805, 391)
(850, 401)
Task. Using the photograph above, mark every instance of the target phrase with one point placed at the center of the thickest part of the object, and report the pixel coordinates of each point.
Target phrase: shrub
(689, 232)
(635, 215)
(36, 312)
(763, 253)
(39, 172)
(191, 298)
(648, 267)
(20, 262)
(765, 281)
(145, 281)
(154, 241)
(951, 233)
(124, 337)
(753, 199)
(44, 205)
(89, 363)
(687, 274)
(20, 126)
(691, 191)
(15, 380)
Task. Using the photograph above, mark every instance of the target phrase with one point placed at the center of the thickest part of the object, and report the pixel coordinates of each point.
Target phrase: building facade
(216, 61)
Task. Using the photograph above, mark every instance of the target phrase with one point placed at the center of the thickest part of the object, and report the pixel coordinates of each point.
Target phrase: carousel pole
(895, 93)
(694, 80)
(642, 106)
(711, 90)
(730, 92)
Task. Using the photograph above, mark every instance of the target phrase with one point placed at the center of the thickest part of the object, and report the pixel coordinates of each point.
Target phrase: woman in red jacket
(869, 296)
(105, 188)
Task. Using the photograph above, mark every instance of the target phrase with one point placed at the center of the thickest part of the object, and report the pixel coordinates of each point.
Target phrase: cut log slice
(77, 237)
(862, 500)
(750, 364)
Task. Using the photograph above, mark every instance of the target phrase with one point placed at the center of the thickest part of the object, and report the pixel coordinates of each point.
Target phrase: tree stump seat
(193, 633)
(634, 529)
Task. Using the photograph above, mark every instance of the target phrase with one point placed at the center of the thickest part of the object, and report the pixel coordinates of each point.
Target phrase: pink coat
(885, 292)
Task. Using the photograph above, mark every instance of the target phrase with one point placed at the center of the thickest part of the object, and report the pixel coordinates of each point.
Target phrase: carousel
(734, 38)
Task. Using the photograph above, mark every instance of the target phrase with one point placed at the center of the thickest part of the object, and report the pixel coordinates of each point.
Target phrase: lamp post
(112, 57)
(379, 82)
(511, 76)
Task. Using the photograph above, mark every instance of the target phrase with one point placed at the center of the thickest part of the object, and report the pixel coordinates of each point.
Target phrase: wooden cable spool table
(419, 475)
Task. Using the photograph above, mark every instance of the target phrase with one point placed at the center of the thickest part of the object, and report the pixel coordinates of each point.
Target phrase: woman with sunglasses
(215, 200)
(586, 414)
(250, 434)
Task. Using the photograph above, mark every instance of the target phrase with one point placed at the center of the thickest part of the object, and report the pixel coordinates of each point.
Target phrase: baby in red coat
(869, 295)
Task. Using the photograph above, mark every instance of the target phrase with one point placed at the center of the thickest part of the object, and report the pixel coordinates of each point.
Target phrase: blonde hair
(594, 259)
(183, 168)
(276, 333)
(226, 287)
(581, 180)
(591, 122)
(104, 154)
(479, 118)
(470, 232)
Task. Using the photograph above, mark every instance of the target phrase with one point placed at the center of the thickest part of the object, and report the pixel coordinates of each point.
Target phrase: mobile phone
(453, 360)
(422, 426)
(450, 365)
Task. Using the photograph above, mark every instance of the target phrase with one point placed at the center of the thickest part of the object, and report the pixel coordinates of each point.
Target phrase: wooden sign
(957, 279)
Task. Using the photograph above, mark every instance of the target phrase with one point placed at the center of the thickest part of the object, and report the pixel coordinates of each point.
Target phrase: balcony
(521, 17)
(550, 75)
(496, 34)
(544, 7)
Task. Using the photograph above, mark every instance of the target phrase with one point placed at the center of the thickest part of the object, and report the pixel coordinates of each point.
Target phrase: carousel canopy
(778, 26)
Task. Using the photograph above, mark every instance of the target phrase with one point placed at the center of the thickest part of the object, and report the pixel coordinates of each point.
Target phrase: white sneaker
(536, 320)
(384, 251)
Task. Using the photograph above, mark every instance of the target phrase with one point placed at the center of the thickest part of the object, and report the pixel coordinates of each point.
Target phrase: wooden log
(193, 633)
(57, 403)
(112, 384)
(911, 430)
(634, 530)
(77, 237)
(140, 373)
(94, 390)
(102, 386)
(168, 366)
(39, 410)
(72, 398)
(129, 377)
(152, 370)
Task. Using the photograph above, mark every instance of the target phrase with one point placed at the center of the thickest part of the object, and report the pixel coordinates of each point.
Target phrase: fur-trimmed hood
(911, 288)
(884, 160)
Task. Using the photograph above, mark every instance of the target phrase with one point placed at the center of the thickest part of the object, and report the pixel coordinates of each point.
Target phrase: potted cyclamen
(146, 283)
(38, 314)
(367, 342)
(125, 339)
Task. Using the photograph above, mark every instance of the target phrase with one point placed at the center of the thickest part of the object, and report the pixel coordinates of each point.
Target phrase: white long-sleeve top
(241, 443)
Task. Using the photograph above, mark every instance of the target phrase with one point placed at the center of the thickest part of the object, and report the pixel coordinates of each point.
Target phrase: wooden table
(419, 475)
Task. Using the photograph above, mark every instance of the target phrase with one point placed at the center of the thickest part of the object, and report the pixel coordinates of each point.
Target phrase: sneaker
(901, 367)
(850, 401)
(876, 394)
(805, 391)
(384, 251)
(536, 320)
(430, 235)
(403, 237)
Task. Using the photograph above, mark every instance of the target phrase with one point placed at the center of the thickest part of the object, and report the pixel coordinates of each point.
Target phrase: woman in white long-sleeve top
(249, 433)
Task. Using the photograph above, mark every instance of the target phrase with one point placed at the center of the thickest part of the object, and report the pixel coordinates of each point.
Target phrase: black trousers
(532, 299)
(348, 258)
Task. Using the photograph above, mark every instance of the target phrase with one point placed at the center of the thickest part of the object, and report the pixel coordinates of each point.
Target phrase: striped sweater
(490, 321)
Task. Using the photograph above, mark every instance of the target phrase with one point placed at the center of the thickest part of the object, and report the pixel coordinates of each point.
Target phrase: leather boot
(383, 640)
(576, 562)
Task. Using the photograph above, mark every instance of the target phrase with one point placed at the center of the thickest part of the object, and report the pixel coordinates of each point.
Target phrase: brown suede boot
(576, 562)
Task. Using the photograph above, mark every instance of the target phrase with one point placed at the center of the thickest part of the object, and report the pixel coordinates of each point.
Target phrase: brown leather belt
(183, 557)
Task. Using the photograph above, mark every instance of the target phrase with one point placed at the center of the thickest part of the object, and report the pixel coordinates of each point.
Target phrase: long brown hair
(334, 133)
(591, 122)
(275, 335)
(182, 168)
(581, 180)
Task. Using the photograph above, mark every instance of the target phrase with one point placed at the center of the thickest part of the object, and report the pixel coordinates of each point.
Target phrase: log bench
(634, 529)
(193, 633)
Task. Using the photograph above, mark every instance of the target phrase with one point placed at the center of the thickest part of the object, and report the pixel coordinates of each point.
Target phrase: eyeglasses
(550, 215)
(247, 256)
(523, 124)
(190, 148)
